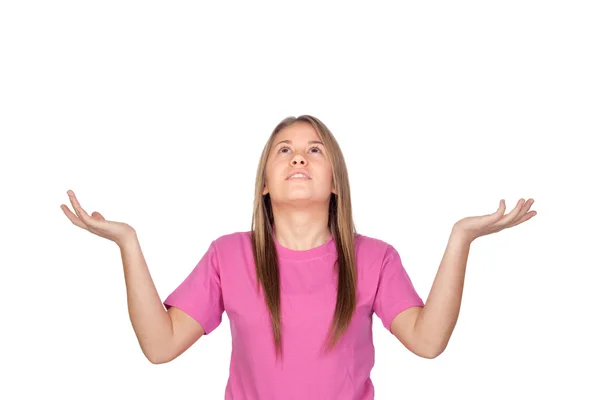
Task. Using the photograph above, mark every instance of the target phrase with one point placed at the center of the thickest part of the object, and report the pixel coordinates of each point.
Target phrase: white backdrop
(155, 114)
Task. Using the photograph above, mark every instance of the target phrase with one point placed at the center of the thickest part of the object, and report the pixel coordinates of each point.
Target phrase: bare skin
(426, 331)
(163, 335)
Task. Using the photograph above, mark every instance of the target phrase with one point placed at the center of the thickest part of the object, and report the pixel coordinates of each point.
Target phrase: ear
(265, 190)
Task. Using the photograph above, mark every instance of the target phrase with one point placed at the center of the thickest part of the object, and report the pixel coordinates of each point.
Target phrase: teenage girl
(301, 286)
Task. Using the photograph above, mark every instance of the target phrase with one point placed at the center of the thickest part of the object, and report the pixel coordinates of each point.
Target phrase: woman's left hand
(471, 228)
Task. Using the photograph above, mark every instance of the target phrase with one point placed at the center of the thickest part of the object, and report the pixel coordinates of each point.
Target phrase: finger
(499, 211)
(496, 215)
(508, 218)
(524, 210)
(83, 216)
(502, 208)
(526, 217)
(72, 217)
(98, 216)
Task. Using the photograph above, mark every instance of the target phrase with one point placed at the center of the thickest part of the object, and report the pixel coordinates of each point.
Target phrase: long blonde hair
(340, 224)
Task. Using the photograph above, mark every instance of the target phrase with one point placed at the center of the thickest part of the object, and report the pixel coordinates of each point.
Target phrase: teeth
(298, 176)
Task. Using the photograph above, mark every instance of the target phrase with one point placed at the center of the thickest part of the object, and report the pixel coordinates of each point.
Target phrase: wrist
(460, 235)
(128, 240)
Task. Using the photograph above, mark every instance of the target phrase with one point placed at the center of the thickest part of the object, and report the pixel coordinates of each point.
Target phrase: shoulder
(232, 238)
(372, 256)
(368, 245)
(229, 252)
(232, 241)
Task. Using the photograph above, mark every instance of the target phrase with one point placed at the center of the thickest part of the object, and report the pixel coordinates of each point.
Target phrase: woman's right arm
(162, 335)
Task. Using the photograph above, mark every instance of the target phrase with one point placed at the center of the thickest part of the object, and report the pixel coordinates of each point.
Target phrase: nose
(298, 160)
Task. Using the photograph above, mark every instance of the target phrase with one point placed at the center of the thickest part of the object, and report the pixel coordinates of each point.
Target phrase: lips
(298, 174)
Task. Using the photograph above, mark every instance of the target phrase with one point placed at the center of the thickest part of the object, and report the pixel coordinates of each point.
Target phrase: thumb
(500, 212)
(496, 215)
(97, 216)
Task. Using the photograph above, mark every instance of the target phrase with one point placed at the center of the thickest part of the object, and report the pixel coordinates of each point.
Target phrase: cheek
(327, 170)
(330, 177)
(273, 170)
(326, 175)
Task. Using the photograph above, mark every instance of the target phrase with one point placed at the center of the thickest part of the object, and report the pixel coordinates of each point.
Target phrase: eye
(311, 150)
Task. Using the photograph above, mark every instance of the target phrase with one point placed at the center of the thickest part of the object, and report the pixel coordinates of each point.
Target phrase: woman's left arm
(426, 330)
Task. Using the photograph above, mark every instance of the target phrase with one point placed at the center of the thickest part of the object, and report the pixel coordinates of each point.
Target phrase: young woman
(301, 286)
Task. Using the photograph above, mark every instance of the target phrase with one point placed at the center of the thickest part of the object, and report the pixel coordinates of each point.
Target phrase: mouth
(298, 176)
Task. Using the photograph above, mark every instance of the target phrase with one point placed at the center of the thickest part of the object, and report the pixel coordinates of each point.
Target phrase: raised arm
(162, 335)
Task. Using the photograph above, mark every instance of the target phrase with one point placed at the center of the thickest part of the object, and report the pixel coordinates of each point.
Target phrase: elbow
(156, 360)
(430, 352)
(430, 355)
(156, 357)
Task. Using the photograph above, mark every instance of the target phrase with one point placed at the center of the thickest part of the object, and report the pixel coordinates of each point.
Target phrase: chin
(300, 199)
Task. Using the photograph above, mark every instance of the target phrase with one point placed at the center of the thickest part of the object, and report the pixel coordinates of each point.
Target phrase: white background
(155, 113)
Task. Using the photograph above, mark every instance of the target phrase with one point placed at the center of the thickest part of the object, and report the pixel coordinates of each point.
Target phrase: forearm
(150, 321)
(437, 320)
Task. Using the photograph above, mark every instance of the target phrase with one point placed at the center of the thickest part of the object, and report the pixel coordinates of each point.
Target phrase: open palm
(474, 227)
(96, 223)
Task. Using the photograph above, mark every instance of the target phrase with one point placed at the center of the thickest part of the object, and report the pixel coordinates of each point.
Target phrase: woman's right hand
(118, 232)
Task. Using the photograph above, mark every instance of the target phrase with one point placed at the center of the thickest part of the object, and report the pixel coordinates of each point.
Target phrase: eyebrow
(310, 142)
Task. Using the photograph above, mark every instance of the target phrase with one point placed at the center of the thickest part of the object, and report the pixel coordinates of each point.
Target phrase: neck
(301, 228)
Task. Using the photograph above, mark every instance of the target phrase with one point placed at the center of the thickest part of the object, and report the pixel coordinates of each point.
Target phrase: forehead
(298, 132)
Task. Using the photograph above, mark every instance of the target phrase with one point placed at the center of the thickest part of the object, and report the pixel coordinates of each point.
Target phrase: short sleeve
(395, 291)
(200, 295)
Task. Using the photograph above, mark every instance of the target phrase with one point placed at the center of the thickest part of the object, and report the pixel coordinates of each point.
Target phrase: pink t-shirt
(225, 281)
